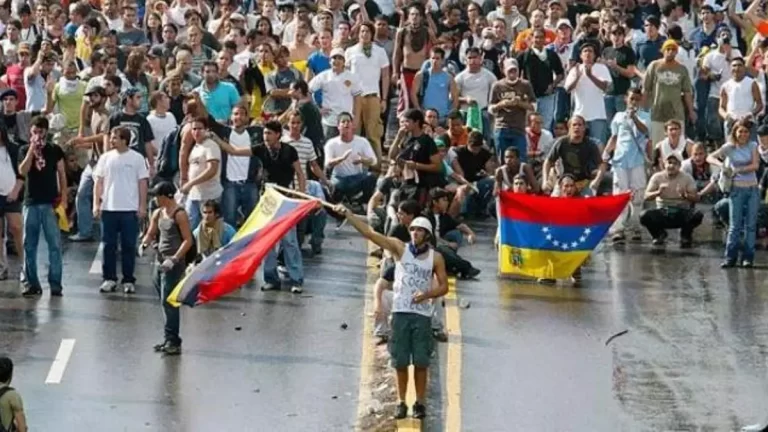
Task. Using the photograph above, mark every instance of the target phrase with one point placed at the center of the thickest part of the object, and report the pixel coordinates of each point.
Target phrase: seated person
(568, 189)
(213, 232)
(539, 141)
(422, 162)
(382, 207)
(349, 157)
(453, 176)
(704, 174)
(448, 231)
(512, 169)
(519, 184)
(477, 162)
(675, 193)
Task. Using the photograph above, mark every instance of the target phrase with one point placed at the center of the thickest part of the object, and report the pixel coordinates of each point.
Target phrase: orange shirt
(762, 28)
(521, 42)
(460, 139)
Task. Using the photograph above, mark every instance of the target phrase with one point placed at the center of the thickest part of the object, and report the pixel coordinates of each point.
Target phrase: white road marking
(96, 264)
(60, 362)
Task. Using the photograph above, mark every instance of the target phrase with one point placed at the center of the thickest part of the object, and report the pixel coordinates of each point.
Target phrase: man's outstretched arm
(393, 245)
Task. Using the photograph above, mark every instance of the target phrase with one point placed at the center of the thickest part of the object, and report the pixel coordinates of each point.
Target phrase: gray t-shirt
(476, 85)
(132, 37)
(280, 80)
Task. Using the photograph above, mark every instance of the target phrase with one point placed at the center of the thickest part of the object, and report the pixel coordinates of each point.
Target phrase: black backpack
(167, 160)
(12, 427)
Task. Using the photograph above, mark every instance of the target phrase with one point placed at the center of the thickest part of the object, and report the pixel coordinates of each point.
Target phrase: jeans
(84, 203)
(545, 105)
(292, 257)
(658, 220)
(714, 124)
(743, 204)
(165, 282)
(237, 195)
(314, 224)
(598, 130)
(505, 138)
(562, 105)
(126, 225)
(477, 203)
(454, 236)
(349, 186)
(614, 104)
(39, 217)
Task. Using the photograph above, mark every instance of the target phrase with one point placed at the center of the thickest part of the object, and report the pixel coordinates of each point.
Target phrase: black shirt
(625, 57)
(420, 149)
(457, 30)
(540, 73)
(278, 167)
(443, 223)
(579, 160)
(312, 123)
(42, 186)
(399, 232)
(177, 107)
(491, 61)
(141, 131)
(472, 163)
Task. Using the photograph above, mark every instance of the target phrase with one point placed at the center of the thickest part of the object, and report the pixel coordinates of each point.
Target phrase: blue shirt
(70, 29)
(741, 156)
(437, 93)
(648, 51)
(219, 101)
(699, 39)
(318, 62)
(630, 142)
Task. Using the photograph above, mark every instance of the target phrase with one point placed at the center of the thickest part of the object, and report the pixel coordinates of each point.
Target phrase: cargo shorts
(411, 341)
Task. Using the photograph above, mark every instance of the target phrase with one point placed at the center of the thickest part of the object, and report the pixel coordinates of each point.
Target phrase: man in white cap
(511, 100)
(341, 92)
(419, 278)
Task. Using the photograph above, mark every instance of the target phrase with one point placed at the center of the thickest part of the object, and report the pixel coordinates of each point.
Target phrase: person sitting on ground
(513, 168)
(213, 232)
(476, 163)
(12, 416)
(675, 193)
(447, 230)
(519, 184)
(169, 224)
(349, 157)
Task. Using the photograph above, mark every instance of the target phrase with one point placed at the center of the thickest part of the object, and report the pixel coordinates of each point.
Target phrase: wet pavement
(290, 368)
(533, 357)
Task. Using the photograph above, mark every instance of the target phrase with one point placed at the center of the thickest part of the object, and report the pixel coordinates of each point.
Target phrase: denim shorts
(9, 207)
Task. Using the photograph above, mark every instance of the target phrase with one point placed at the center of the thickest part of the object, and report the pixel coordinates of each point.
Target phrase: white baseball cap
(337, 52)
(423, 223)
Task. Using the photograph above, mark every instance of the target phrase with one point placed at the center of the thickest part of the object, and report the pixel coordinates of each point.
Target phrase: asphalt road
(531, 357)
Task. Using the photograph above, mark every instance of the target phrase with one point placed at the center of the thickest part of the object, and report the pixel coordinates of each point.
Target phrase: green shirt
(664, 87)
(69, 98)
(10, 404)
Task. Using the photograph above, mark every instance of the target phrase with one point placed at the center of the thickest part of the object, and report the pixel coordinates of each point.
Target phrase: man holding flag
(420, 277)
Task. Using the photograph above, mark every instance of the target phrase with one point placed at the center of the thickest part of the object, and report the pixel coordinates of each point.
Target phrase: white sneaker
(296, 289)
(108, 286)
(129, 288)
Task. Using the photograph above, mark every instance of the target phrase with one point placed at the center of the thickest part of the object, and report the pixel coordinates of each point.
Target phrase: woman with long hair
(739, 161)
(153, 25)
(265, 33)
(134, 71)
(255, 88)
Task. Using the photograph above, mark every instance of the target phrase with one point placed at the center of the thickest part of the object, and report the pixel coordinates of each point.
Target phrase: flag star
(565, 246)
(545, 229)
(549, 236)
(556, 243)
(582, 239)
(587, 231)
(574, 244)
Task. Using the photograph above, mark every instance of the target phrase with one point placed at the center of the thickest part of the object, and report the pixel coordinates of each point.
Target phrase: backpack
(12, 427)
(191, 256)
(167, 160)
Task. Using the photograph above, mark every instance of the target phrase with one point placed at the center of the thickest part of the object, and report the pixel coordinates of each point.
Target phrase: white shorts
(629, 179)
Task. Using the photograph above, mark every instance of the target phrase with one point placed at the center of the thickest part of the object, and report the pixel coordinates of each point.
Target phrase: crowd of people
(163, 122)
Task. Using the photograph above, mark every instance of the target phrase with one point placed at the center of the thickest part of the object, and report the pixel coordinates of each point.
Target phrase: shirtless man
(300, 49)
(412, 45)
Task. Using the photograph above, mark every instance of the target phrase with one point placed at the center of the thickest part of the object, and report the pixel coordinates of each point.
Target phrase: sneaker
(546, 281)
(618, 238)
(77, 238)
(747, 264)
(297, 289)
(171, 349)
(686, 242)
(317, 250)
(636, 236)
(270, 287)
(129, 288)
(57, 291)
(440, 336)
(419, 410)
(727, 264)
(470, 274)
(658, 241)
(108, 286)
(401, 411)
(159, 347)
(32, 291)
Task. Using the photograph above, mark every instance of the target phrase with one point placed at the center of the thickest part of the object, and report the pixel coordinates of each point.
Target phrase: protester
(12, 416)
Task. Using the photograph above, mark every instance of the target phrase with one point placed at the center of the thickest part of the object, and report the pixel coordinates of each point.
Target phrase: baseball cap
(564, 22)
(163, 188)
(8, 92)
(421, 222)
(337, 52)
(155, 52)
(510, 63)
(674, 156)
(96, 89)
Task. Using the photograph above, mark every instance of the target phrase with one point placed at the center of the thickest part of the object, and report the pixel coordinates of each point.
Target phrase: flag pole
(300, 194)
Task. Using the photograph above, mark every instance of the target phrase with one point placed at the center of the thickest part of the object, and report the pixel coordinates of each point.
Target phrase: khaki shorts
(411, 341)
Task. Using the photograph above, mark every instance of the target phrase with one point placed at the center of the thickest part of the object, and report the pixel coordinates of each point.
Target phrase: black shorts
(9, 207)
(388, 270)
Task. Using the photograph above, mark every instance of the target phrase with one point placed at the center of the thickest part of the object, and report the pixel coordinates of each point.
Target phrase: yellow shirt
(84, 48)
(301, 65)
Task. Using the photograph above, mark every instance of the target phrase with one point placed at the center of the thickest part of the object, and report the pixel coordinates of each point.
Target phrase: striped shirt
(304, 148)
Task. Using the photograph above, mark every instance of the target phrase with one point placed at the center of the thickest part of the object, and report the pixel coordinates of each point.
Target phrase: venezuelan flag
(549, 237)
(234, 264)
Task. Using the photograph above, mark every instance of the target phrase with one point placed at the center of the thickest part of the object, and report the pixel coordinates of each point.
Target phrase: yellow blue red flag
(550, 237)
(234, 264)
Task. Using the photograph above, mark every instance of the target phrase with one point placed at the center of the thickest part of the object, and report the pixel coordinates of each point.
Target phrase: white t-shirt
(360, 146)
(367, 69)
(476, 85)
(161, 126)
(339, 91)
(237, 166)
(121, 173)
(198, 163)
(7, 177)
(586, 93)
(717, 63)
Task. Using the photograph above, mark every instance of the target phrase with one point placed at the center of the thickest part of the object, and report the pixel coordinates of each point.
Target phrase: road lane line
(96, 264)
(453, 362)
(367, 358)
(60, 362)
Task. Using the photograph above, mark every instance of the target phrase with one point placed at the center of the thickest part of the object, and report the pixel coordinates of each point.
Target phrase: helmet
(423, 223)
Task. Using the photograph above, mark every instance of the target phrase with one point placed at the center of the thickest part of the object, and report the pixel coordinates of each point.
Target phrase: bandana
(38, 142)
